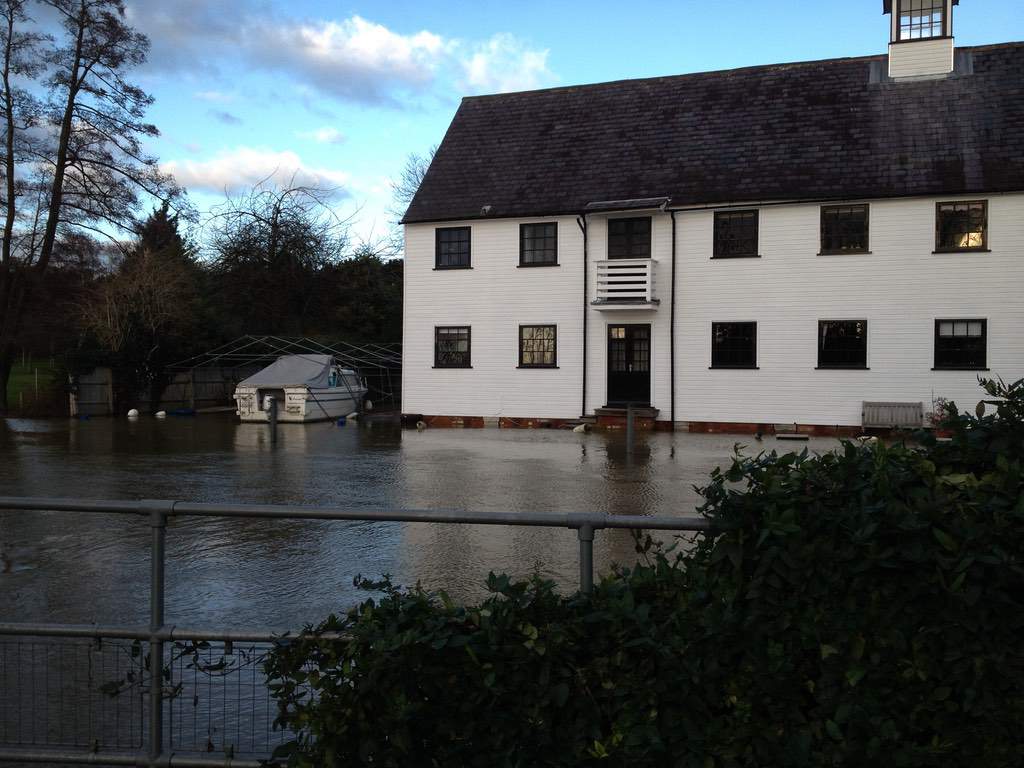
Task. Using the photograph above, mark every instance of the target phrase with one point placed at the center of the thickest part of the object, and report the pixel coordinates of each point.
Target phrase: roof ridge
(733, 70)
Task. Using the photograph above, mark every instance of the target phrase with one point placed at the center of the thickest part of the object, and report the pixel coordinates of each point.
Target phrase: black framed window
(452, 346)
(734, 345)
(961, 226)
(629, 238)
(844, 229)
(735, 234)
(538, 244)
(961, 344)
(842, 343)
(538, 346)
(921, 19)
(452, 248)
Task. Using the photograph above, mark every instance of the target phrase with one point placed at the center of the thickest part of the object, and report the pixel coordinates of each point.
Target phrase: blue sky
(340, 93)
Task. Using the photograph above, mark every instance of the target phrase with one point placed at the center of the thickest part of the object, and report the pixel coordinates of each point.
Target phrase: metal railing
(153, 749)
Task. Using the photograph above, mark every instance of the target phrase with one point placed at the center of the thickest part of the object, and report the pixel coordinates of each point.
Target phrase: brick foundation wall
(643, 425)
(812, 430)
(454, 422)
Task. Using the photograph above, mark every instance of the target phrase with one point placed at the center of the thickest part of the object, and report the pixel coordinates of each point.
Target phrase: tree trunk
(6, 266)
(15, 298)
(6, 361)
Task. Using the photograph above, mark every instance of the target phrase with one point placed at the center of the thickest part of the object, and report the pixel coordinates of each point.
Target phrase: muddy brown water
(245, 573)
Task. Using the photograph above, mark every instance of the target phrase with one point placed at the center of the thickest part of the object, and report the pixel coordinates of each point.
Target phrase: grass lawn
(23, 381)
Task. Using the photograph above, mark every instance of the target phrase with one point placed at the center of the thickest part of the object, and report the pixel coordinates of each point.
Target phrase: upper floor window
(735, 234)
(961, 226)
(538, 244)
(452, 248)
(842, 343)
(452, 346)
(537, 346)
(844, 229)
(734, 345)
(920, 19)
(960, 344)
(629, 238)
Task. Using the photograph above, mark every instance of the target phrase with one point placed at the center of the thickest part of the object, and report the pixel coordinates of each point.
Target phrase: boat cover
(311, 371)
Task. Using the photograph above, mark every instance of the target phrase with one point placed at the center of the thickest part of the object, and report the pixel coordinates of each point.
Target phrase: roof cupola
(920, 37)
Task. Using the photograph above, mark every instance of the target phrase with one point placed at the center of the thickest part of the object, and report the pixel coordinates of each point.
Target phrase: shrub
(863, 607)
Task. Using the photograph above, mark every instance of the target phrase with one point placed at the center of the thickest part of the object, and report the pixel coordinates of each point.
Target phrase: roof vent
(486, 210)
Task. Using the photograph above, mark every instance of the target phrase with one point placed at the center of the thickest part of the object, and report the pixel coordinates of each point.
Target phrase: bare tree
(23, 59)
(145, 309)
(403, 190)
(269, 246)
(83, 145)
(141, 300)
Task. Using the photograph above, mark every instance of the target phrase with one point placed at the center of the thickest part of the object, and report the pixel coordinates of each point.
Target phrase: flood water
(247, 573)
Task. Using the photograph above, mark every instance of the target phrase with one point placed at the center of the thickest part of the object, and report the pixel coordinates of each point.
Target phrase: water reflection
(83, 568)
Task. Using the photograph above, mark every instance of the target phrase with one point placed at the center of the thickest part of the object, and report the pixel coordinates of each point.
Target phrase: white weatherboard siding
(495, 297)
(900, 288)
(921, 57)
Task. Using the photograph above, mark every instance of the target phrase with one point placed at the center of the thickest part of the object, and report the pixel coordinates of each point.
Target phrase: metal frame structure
(379, 364)
(158, 632)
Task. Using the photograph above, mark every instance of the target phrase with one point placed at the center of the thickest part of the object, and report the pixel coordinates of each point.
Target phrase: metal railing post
(630, 428)
(585, 533)
(272, 419)
(158, 526)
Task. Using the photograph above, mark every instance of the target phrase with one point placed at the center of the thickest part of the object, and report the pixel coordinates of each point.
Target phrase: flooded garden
(94, 567)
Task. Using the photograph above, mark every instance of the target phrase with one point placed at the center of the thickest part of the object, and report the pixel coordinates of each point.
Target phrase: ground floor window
(734, 345)
(452, 346)
(842, 343)
(538, 346)
(961, 344)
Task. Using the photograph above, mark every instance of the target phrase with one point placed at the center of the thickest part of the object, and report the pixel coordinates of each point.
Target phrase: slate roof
(821, 130)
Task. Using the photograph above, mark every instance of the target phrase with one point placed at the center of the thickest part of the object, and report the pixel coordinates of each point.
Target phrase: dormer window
(922, 19)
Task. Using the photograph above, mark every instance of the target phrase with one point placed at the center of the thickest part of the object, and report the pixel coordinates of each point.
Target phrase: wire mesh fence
(94, 694)
(219, 700)
(53, 697)
(88, 695)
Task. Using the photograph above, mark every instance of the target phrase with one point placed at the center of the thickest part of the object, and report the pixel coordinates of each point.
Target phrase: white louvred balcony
(625, 284)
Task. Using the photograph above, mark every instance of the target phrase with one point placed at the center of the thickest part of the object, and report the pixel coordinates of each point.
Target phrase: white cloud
(352, 59)
(241, 168)
(325, 135)
(503, 64)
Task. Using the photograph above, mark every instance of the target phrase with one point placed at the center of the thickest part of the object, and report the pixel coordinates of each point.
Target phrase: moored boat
(306, 388)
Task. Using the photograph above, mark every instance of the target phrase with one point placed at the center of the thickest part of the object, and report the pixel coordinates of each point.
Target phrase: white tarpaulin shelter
(312, 371)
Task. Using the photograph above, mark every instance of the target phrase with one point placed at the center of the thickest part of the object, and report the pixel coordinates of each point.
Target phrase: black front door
(629, 365)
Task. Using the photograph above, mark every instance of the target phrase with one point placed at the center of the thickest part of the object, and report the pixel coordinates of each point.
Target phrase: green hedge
(863, 608)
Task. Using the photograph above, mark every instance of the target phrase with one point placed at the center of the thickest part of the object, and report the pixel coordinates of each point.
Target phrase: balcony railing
(625, 284)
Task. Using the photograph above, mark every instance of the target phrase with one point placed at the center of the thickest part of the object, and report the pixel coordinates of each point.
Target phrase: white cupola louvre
(920, 37)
